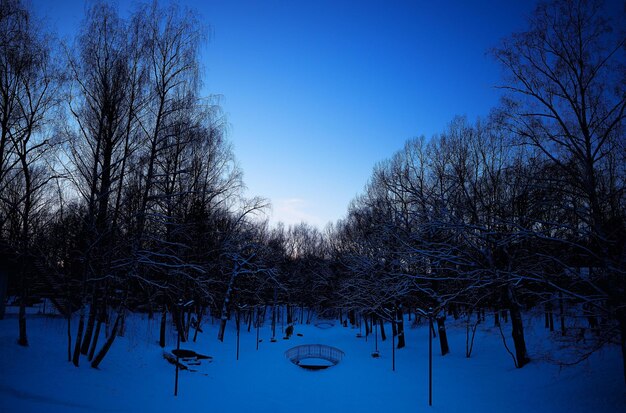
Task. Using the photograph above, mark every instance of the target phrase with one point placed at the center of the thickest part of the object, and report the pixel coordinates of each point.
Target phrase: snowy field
(134, 377)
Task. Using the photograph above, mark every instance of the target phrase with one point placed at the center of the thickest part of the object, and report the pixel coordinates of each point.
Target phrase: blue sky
(317, 92)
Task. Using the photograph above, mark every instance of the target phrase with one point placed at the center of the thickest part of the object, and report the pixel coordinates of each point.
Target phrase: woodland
(120, 194)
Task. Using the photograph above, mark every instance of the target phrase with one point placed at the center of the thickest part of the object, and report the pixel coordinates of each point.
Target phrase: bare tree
(28, 84)
(567, 98)
(104, 98)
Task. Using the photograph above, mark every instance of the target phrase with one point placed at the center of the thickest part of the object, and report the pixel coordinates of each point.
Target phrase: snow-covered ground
(134, 377)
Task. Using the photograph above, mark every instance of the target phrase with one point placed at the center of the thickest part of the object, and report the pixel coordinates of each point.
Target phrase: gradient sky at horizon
(317, 92)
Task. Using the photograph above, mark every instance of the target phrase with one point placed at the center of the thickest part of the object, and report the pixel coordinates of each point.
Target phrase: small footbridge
(314, 356)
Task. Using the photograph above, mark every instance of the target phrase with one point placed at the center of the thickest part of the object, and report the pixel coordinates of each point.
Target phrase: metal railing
(332, 354)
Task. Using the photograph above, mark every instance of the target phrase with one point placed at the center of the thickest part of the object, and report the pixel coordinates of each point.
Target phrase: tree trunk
(22, 339)
(121, 328)
(226, 303)
(79, 337)
(198, 321)
(274, 315)
(91, 321)
(351, 317)
(180, 328)
(281, 316)
(375, 334)
(250, 315)
(518, 330)
(289, 314)
(162, 327)
(107, 345)
(443, 337)
(188, 324)
(400, 326)
(383, 336)
(94, 341)
(69, 332)
(469, 340)
(237, 322)
(551, 319)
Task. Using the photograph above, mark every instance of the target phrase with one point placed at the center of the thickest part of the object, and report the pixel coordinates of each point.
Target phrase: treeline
(119, 190)
(118, 187)
(524, 209)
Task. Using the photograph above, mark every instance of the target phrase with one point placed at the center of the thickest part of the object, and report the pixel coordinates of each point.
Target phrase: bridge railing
(322, 351)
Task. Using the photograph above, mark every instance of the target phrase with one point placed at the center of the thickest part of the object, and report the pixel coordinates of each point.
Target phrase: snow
(134, 376)
(314, 361)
